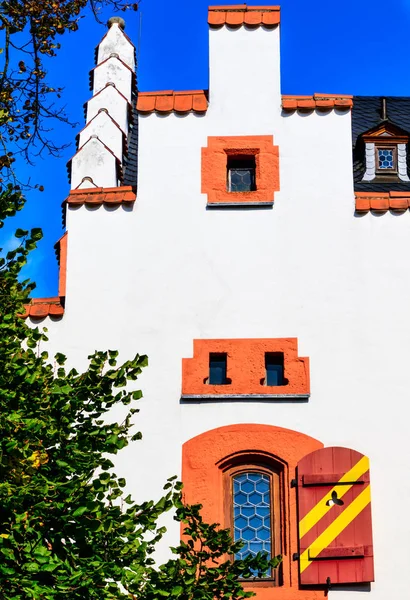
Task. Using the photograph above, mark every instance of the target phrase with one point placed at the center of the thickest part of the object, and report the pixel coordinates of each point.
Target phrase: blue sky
(354, 47)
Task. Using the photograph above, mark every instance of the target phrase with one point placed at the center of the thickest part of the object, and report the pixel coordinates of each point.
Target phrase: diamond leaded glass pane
(252, 513)
(241, 179)
(386, 158)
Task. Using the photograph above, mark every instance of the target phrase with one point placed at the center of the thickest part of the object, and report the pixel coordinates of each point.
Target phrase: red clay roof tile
(146, 102)
(170, 101)
(216, 18)
(236, 15)
(98, 196)
(183, 103)
(234, 18)
(199, 103)
(382, 202)
(271, 18)
(164, 103)
(253, 17)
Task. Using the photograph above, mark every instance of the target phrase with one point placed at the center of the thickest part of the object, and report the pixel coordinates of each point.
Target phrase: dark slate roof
(366, 114)
(130, 166)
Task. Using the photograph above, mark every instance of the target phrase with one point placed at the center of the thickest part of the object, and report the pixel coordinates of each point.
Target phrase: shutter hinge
(294, 483)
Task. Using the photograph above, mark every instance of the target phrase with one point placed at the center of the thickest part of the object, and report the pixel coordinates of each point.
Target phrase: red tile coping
(39, 308)
(382, 201)
(196, 101)
(97, 196)
(169, 101)
(240, 14)
(317, 101)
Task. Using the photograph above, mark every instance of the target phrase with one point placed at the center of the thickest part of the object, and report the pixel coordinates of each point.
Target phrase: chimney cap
(119, 20)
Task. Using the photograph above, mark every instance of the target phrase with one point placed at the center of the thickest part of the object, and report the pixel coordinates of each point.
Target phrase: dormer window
(386, 153)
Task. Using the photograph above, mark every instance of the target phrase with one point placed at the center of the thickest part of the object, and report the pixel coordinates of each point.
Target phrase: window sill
(212, 397)
(236, 203)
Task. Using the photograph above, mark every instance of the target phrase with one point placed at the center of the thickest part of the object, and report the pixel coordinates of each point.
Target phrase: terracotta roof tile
(164, 103)
(234, 18)
(199, 103)
(382, 201)
(317, 101)
(253, 17)
(216, 19)
(236, 15)
(271, 18)
(98, 196)
(183, 103)
(39, 308)
(146, 102)
(170, 101)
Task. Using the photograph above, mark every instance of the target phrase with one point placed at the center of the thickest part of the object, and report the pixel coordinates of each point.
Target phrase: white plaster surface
(107, 131)
(151, 278)
(116, 105)
(113, 71)
(95, 161)
(116, 42)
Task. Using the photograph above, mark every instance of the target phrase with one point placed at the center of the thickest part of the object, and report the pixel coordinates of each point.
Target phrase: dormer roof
(377, 116)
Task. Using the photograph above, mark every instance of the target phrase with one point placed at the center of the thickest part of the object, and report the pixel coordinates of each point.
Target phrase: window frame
(384, 146)
(253, 465)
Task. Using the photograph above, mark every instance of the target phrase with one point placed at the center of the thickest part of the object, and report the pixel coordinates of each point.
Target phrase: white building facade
(248, 237)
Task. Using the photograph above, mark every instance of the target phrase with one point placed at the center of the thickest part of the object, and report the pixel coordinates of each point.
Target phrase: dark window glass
(241, 173)
(217, 369)
(252, 514)
(274, 368)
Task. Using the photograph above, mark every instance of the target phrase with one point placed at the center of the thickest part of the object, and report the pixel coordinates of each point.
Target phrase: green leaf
(80, 511)
(177, 590)
(20, 233)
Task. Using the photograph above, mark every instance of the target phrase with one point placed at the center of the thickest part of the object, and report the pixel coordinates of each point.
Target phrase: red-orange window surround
(208, 459)
(214, 170)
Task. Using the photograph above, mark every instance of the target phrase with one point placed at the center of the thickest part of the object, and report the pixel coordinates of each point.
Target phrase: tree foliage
(67, 526)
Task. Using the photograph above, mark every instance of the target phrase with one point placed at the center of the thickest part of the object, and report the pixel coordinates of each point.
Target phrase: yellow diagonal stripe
(321, 508)
(335, 528)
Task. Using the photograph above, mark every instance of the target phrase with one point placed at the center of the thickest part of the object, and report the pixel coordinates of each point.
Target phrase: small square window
(386, 159)
(217, 369)
(241, 174)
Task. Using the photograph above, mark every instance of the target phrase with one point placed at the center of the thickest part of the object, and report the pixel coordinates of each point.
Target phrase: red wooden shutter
(335, 526)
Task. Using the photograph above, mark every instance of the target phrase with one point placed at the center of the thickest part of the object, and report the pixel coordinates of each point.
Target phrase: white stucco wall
(154, 277)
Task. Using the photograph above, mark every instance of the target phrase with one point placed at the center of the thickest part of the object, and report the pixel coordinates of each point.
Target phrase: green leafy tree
(67, 527)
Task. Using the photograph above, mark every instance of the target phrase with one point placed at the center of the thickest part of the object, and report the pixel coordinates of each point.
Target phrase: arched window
(253, 509)
(210, 463)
